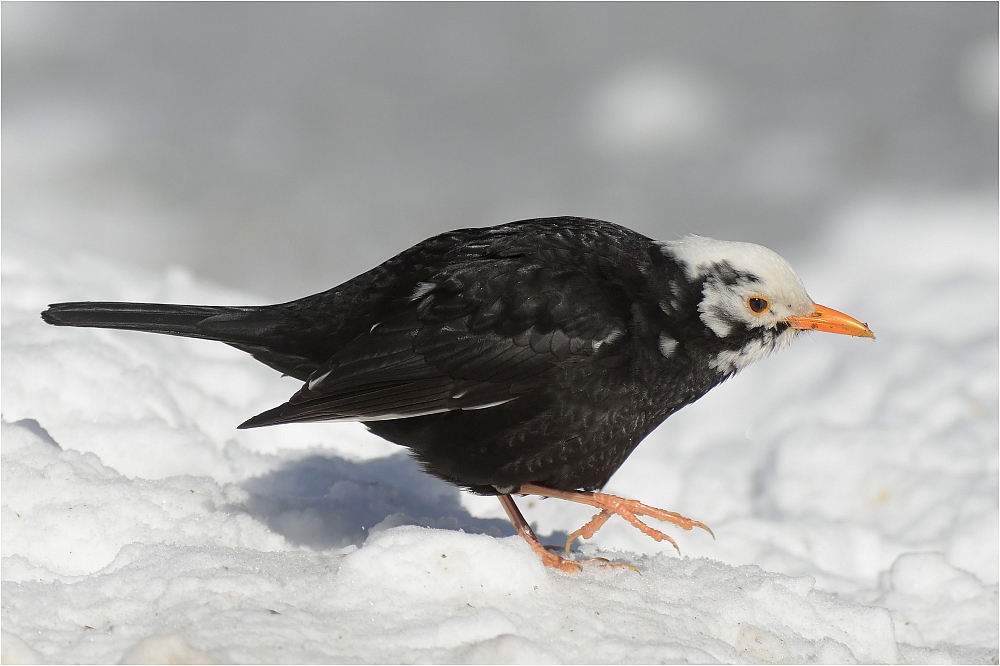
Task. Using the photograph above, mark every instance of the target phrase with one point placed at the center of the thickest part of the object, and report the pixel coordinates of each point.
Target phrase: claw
(605, 563)
(655, 534)
(622, 565)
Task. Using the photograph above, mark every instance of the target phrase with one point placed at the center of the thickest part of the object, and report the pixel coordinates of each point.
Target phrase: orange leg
(524, 529)
(609, 505)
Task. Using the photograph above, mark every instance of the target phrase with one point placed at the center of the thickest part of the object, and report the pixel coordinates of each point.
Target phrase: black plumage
(527, 353)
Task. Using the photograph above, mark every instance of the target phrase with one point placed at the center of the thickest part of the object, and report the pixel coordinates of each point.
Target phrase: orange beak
(829, 320)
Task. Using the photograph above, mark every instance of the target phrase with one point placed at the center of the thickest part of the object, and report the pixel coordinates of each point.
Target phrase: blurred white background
(285, 148)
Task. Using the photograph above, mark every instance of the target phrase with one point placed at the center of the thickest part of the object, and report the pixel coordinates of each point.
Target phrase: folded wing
(473, 337)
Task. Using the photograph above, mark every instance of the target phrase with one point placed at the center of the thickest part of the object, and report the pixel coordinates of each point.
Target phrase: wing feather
(471, 338)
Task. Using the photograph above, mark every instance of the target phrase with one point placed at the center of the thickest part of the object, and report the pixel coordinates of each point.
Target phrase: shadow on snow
(329, 502)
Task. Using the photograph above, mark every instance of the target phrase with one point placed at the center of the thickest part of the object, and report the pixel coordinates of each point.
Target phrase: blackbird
(525, 358)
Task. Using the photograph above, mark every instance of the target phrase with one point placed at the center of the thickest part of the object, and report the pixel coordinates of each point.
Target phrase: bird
(528, 358)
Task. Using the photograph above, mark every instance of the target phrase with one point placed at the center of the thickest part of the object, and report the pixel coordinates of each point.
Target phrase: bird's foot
(550, 559)
(611, 505)
(601, 562)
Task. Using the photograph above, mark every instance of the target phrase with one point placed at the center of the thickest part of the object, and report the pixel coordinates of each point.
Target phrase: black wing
(475, 335)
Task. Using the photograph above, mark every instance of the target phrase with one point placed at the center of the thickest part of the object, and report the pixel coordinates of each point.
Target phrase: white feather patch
(607, 339)
(731, 362)
(699, 255)
(315, 381)
(421, 290)
(487, 405)
(667, 345)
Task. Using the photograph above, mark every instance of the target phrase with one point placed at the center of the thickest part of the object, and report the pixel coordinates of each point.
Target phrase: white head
(748, 292)
(752, 300)
(744, 283)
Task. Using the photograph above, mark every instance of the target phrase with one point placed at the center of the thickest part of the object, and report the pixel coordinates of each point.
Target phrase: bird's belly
(564, 444)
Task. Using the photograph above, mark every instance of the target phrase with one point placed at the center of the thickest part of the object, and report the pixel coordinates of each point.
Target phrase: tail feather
(193, 321)
(266, 332)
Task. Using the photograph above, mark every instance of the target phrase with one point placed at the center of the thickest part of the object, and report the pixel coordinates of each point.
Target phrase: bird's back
(323, 323)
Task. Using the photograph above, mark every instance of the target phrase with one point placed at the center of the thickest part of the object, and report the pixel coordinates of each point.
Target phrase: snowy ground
(852, 487)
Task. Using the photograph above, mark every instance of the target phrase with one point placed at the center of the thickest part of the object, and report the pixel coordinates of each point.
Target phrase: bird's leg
(522, 527)
(628, 509)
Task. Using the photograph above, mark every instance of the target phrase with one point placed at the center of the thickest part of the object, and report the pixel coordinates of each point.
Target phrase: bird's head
(751, 300)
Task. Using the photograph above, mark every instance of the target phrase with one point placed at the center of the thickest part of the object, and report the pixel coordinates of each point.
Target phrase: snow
(852, 487)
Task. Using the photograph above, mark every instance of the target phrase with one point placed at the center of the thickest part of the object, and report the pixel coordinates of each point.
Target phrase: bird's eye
(758, 305)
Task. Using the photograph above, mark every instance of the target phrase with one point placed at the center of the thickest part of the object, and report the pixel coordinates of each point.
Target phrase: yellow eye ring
(758, 305)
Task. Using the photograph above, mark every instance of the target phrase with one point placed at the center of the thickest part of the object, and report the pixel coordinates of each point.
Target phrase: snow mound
(65, 514)
(852, 487)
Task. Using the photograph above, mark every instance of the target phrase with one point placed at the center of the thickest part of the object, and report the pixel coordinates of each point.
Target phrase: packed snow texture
(852, 486)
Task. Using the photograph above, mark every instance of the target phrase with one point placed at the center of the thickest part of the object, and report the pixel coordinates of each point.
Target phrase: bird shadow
(330, 502)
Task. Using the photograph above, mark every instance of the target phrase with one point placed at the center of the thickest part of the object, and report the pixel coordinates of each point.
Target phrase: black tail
(261, 331)
(191, 321)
